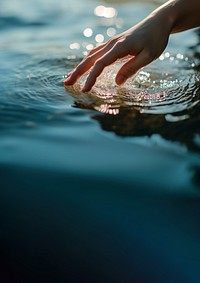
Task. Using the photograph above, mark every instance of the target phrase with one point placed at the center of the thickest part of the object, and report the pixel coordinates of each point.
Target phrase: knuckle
(95, 49)
(91, 52)
(111, 42)
(119, 43)
(88, 58)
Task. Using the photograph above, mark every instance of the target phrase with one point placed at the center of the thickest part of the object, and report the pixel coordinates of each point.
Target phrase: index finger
(86, 64)
(110, 57)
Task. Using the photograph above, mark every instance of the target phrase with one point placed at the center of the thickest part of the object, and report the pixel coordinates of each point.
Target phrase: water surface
(96, 187)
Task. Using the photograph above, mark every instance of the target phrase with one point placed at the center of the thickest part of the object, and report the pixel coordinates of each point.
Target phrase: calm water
(103, 186)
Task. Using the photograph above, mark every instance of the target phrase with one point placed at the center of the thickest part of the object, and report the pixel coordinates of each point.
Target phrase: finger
(81, 69)
(132, 66)
(110, 57)
(87, 63)
(97, 48)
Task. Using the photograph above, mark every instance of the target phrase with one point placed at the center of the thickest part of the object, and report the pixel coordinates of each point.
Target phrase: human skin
(143, 43)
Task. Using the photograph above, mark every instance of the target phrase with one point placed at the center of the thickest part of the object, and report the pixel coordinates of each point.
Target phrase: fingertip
(86, 89)
(67, 82)
(120, 80)
(71, 79)
(87, 86)
(89, 83)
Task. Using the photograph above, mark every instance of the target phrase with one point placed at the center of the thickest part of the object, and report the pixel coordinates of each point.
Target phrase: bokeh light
(111, 31)
(74, 45)
(89, 46)
(88, 32)
(99, 11)
(107, 12)
(99, 38)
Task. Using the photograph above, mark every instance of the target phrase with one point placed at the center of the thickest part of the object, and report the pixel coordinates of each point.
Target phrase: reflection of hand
(144, 42)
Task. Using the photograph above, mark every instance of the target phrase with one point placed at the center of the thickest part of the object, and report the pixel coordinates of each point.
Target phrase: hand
(143, 43)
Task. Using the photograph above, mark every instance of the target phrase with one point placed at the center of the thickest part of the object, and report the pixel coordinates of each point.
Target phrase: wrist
(167, 14)
(180, 15)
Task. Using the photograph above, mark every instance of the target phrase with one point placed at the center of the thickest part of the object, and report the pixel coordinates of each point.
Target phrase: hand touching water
(143, 43)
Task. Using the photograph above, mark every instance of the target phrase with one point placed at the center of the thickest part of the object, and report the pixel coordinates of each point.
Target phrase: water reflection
(129, 122)
(162, 99)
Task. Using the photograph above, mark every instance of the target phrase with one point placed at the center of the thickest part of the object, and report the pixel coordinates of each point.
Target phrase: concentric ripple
(168, 85)
(41, 81)
(35, 92)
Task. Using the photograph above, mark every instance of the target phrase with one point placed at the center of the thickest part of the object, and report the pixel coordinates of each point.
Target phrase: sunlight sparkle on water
(179, 56)
(106, 12)
(88, 32)
(111, 31)
(105, 108)
(89, 47)
(159, 88)
(85, 53)
(174, 118)
(75, 45)
(99, 38)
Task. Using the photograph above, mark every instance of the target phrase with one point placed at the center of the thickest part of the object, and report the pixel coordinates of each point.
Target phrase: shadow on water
(130, 122)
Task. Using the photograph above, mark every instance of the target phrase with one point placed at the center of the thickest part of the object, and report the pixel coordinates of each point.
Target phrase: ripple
(168, 85)
(40, 81)
(35, 92)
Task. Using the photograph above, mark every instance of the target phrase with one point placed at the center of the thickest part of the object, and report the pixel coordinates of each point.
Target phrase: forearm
(180, 14)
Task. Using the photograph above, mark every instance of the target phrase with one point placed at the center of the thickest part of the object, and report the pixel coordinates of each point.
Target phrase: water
(169, 86)
(103, 186)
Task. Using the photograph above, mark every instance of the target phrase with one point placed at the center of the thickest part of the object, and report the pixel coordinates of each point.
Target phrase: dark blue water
(98, 187)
